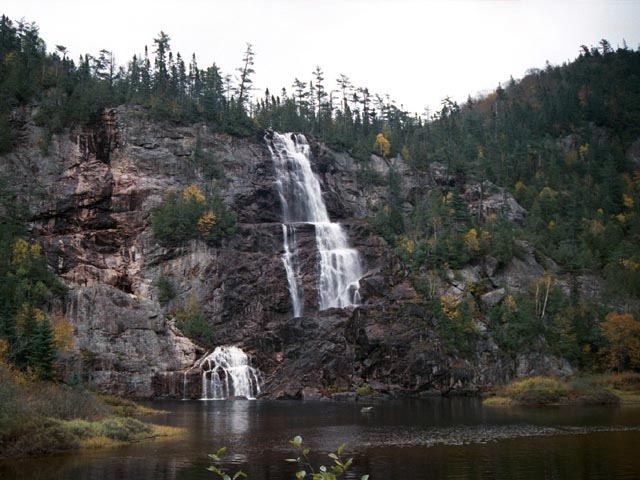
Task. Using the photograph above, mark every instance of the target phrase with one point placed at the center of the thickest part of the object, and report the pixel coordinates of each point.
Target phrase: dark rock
(91, 199)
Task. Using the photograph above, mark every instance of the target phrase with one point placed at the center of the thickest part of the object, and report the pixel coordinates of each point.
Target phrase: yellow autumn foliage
(583, 150)
(511, 304)
(193, 194)
(630, 264)
(19, 252)
(627, 200)
(4, 350)
(62, 333)
(206, 222)
(622, 333)
(407, 245)
(547, 192)
(471, 240)
(382, 145)
(449, 305)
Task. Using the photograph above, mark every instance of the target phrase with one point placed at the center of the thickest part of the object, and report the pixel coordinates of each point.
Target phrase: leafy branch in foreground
(338, 468)
(217, 458)
(334, 471)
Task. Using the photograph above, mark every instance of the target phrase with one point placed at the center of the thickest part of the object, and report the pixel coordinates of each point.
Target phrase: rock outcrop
(92, 193)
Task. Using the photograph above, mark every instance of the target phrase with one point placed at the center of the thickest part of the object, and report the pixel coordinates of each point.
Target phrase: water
(227, 373)
(292, 267)
(301, 197)
(401, 439)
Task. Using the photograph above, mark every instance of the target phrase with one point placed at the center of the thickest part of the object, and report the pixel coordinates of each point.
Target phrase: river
(433, 438)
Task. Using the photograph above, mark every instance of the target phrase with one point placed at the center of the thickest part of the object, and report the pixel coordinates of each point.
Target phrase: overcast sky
(416, 51)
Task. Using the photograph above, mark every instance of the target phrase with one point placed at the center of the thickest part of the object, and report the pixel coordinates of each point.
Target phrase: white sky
(416, 51)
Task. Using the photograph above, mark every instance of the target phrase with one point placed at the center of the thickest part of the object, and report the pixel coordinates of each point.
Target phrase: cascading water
(301, 197)
(226, 373)
(291, 265)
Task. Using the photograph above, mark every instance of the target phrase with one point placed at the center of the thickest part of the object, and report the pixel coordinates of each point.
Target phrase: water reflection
(403, 439)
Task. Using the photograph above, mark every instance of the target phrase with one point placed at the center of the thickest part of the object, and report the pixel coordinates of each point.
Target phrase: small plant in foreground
(217, 458)
(335, 471)
(338, 468)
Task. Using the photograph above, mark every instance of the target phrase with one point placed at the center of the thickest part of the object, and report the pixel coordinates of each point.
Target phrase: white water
(291, 265)
(226, 373)
(184, 385)
(301, 198)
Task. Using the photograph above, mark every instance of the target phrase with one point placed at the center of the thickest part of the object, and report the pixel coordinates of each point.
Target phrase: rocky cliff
(91, 193)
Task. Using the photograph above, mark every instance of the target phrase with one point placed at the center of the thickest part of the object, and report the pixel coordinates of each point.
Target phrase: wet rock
(309, 393)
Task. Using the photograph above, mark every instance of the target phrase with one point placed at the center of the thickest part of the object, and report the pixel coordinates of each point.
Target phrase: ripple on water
(475, 434)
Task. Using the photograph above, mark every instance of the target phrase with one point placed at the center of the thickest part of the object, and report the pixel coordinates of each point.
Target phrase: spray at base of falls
(226, 373)
(301, 199)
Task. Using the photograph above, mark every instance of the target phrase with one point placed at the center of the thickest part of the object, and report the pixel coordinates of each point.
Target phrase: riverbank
(581, 390)
(40, 418)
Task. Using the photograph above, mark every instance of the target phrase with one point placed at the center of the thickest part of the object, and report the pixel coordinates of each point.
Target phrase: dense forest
(557, 140)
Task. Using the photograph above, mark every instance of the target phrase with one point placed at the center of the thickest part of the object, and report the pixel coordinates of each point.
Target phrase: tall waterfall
(301, 199)
(226, 373)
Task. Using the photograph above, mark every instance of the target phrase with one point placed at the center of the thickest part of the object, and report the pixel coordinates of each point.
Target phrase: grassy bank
(38, 418)
(582, 390)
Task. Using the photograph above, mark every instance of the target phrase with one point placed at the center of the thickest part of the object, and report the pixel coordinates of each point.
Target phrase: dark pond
(400, 439)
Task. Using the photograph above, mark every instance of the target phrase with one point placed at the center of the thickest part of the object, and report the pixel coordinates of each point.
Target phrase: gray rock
(492, 298)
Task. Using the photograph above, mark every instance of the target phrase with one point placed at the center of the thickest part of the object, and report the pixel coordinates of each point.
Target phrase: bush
(192, 323)
(586, 391)
(192, 215)
(64, 402)
(166, 290)
(537, 390)
(38, 418)
(123, 428)
(337, 468)
(455, 324)
(366, 391)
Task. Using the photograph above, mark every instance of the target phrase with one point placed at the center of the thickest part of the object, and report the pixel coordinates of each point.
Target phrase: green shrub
(365, 391)
(589, 392)
(64, 402)
(190, 214)
(337, 468)
(166, 290)
(124, 428)
(192, 323)
(455, 324)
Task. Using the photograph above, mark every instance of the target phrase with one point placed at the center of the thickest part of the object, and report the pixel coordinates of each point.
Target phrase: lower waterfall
(226, 373)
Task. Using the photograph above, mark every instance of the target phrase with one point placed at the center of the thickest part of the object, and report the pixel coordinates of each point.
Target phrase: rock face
(92, 193)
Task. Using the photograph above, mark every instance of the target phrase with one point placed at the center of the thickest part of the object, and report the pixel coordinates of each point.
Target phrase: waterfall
(301, 199)
(184, 385)
(226, 373)
(292, 267)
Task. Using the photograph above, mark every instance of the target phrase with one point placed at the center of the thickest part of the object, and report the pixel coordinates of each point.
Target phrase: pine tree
(244, 79)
